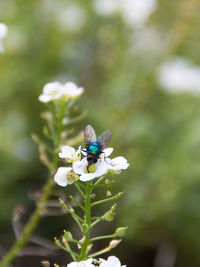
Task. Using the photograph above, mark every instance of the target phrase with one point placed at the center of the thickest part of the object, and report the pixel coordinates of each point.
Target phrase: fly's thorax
(94, 149)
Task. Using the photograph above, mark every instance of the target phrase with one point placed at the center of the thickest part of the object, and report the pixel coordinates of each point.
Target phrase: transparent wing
(104, 139)
(89, 136)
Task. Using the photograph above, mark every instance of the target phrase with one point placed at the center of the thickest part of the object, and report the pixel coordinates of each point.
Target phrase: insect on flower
(95, 146)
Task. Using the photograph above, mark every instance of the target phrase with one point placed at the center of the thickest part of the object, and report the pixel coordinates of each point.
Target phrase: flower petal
(61, 176)
(44, 98)
(67, 152)
(101, 169)
(87, 177)
(79, 166)
(108, 151)
(87, 263)
(52, 88)
(119, 163)
(112, 261)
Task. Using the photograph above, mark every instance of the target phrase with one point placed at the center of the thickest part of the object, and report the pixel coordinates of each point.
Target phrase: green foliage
(158, 132)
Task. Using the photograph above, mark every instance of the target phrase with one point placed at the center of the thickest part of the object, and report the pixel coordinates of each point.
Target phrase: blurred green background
(120, 52)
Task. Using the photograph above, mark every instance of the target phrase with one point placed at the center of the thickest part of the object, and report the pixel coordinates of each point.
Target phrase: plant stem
(48, 187)
(107, 199)
(85, 244)
(102, 237)
(30, 225)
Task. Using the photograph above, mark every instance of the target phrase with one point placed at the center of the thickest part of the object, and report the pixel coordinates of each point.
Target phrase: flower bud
(121, 231)
(45, 263)
(85, 228)
(81, 242)
(68, 235)
(93, 196)
(89, 247)
(114, 243)
(108, 216)
(108, 194)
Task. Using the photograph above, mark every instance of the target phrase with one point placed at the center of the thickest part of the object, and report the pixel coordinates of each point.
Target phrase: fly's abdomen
(94, 149)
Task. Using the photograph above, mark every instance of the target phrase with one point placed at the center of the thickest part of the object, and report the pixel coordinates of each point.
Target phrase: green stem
(79, 189)
(85, 244)
(29, 227)
(77, 203)
(66, 248)
(34, 219)
(102, 237)
(100, 252)
(107, 199)
(77, 219)
(95, 222)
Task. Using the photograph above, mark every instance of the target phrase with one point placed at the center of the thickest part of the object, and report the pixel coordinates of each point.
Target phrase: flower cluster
(79, 168)
(58, 91)
(112, 261)
(3, 32)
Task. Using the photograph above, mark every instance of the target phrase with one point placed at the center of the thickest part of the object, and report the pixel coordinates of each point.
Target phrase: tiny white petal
(102, 168)
(53, 87)
(119, 163)
(87, 263)
(112, 261)
(61, 176)
(79, 166)
(108, 151)
(84, 153)
(87, 177)
(44, 98)
(67, 152)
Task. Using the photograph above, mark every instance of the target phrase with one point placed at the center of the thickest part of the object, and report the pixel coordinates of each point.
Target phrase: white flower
(70, 154)
(117, 164)
(3, 32)
(135, 13)
(179, 75)
(96, 170)
(72, 17)
(103, 165)
(105, 7)
(112, 261)
(87, 263)
(58, 91)
(65, 176)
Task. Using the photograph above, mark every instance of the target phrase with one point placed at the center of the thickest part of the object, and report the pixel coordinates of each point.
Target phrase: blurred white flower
(72, 18)
(87, 263)
(3, 32)
(65, 176)
(112, 261)
(179, 76)
(148, 35)
(134, 12)
(70, 154)
(58, 91)
(105, 7)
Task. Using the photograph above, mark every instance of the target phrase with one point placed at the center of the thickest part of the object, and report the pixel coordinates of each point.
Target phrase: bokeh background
(139, 63)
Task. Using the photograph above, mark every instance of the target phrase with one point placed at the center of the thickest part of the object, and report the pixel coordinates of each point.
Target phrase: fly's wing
(104, 139)
(89, 136)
